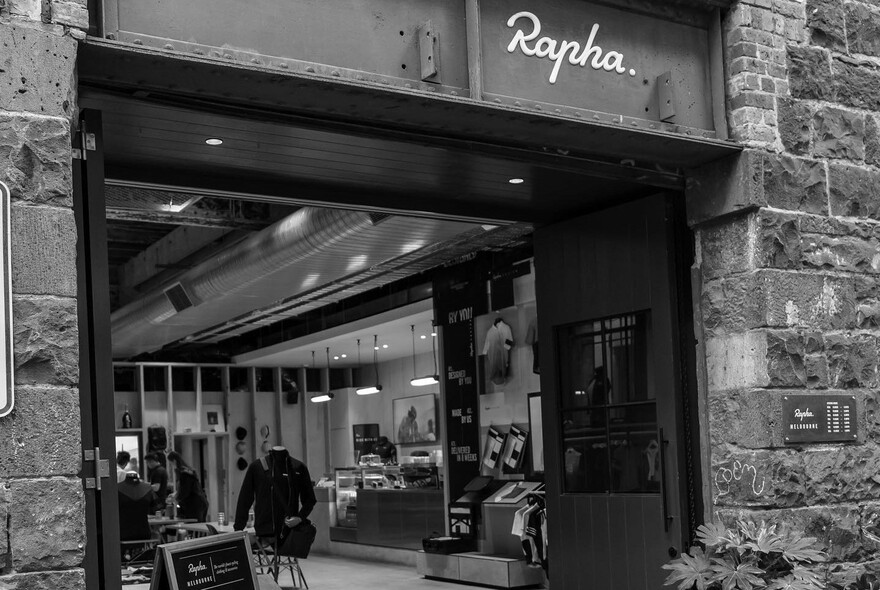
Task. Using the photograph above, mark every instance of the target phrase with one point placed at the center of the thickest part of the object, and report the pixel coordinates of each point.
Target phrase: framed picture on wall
(213, 418)
(415, 419)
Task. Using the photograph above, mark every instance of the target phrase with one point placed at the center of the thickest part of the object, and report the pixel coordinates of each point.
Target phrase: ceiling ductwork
(310, 247)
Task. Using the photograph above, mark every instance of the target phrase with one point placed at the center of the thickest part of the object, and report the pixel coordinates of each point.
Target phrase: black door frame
(103, 554)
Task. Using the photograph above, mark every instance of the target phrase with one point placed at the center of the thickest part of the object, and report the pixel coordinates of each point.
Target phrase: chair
(267, 560)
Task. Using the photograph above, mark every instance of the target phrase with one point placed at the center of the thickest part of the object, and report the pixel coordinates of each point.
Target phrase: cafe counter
(393, 518)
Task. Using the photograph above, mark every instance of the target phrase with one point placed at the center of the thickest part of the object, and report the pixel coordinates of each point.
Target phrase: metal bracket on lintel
(429, 52)
(665, 97)
(101, 469)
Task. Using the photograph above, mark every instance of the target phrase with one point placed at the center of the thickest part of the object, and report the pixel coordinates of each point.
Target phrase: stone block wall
(788, 241)
(42, 505)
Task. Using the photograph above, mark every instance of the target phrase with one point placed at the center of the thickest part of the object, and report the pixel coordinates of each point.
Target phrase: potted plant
(748, 556)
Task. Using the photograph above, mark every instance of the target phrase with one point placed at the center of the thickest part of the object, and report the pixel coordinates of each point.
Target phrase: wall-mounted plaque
(819, 418)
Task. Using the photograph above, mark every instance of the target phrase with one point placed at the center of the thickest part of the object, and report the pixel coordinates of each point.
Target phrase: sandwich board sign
(6, 360)
(217, 561)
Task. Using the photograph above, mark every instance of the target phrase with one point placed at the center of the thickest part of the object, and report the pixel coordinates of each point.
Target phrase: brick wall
(42, 511)
(788, 240)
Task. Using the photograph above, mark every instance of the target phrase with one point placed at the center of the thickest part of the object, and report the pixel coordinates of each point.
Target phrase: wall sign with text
(819, 418)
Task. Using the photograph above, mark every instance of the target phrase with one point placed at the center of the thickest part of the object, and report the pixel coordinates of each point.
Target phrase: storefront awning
(202, 82)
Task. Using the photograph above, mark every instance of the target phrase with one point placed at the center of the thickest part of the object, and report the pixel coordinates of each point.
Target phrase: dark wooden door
(611, 396)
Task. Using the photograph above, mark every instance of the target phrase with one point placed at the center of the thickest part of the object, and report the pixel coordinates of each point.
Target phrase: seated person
(122, 460)
(158, 477)
(386, 450)
(136, 499)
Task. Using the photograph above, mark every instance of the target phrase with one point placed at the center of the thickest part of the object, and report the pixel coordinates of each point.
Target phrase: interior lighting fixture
(428, 379)
(214, 141)
(371, 389)
(327, 395)
(516, 181)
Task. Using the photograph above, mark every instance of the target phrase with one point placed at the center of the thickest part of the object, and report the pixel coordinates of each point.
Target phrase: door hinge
(87, 142)
(101, 468)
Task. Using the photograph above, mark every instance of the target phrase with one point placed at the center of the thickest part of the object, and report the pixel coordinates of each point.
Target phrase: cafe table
(162, 524)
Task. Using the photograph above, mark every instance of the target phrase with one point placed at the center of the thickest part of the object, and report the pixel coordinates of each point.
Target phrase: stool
(266, 559)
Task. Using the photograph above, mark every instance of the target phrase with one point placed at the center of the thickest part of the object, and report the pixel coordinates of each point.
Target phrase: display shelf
(192, 396)
(200, 434)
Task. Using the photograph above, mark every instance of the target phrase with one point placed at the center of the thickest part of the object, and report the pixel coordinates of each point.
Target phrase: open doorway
(243, 281)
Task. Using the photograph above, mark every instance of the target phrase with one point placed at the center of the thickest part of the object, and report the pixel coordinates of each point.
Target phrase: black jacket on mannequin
(278, 486)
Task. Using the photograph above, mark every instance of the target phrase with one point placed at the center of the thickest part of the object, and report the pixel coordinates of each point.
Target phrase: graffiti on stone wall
(737, 475)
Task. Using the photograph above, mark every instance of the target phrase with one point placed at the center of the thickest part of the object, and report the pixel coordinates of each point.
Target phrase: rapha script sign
(209, 563)
(6, 361)
(595, 57)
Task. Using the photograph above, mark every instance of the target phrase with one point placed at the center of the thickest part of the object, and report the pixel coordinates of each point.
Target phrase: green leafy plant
(864, 582)
(748, 556)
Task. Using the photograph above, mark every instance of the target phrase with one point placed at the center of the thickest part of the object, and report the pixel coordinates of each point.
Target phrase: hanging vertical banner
(458, 298)
(6, 360)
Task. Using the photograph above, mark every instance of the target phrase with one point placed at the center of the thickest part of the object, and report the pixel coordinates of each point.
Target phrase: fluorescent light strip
(369, 390)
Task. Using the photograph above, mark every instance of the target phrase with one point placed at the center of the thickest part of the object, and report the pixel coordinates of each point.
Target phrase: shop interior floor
(338, 573)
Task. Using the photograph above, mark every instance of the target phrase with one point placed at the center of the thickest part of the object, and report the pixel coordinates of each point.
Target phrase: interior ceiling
(400, 333)
(175, 203)
(157, 144)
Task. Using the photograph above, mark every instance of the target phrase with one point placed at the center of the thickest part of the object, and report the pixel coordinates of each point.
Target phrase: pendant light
(372, 388)
(428, 379)
(328, 395)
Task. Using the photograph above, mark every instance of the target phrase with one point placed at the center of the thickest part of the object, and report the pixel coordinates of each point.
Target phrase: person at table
(189, 496)
(136, 499)
(122, 460)
(281, 491)
(158, 478)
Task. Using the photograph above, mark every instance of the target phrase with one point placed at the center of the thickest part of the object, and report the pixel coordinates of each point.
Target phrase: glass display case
(347, 483)
(419, 474)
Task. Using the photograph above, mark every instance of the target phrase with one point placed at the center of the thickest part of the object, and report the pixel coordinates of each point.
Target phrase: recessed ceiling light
(335, 358)
(375, 348)
(214, 141)
(384, 346)
(344, 356)
(423, 337)
(516, 181)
